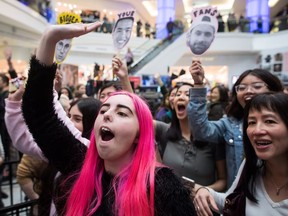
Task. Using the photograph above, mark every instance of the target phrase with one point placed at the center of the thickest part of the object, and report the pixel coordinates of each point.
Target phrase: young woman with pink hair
(118, 173)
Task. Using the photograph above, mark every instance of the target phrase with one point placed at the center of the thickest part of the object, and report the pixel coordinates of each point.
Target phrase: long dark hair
(174, 132)
(89, 107)
(275, 102)
(70, 95)
(274, 84)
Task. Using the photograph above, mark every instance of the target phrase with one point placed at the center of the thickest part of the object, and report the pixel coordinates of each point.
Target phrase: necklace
(278, 189)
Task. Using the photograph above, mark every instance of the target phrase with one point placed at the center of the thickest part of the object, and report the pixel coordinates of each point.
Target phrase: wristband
(199, 83)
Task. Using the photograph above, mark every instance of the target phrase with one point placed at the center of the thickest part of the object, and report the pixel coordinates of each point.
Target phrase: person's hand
(203, 203)
(8, 53)
(197, 72)
(17, 95)
(58, 80)
(54, 33)
(119, 68)
(69, 31)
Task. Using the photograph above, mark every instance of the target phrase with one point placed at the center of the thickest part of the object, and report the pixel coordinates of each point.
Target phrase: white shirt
(264, 207)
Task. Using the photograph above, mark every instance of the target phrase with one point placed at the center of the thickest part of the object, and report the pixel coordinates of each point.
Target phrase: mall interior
(253, 34)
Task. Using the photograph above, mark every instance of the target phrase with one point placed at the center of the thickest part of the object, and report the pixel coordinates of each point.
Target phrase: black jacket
(67, 153)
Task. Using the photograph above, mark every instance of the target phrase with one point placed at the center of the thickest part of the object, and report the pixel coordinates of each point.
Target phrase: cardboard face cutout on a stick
(64, 46)
(123, 28)
(202, 31)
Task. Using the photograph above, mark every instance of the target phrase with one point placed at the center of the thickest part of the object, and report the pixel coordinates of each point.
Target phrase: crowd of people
(111, 154)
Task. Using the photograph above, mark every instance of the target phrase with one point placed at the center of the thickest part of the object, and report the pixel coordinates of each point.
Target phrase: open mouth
(181, 107)
(106, 134)
(262, 143)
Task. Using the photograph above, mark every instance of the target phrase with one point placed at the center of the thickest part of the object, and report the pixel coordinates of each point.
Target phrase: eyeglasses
(254, 86)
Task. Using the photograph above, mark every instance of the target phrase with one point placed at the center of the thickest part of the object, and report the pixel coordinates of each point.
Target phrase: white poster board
(123, 28)
(203, 29)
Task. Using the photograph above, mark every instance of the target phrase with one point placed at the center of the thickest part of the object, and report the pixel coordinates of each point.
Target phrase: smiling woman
(228, 128)
(263, 176)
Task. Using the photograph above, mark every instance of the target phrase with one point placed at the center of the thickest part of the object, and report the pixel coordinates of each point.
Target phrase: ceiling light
(151, 7)
(272, 3)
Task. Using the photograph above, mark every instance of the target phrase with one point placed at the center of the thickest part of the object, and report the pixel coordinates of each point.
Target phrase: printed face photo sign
(64, 46)
(202, 31)
(123, 28)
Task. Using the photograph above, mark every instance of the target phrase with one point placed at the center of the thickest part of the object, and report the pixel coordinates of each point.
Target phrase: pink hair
(131, 195)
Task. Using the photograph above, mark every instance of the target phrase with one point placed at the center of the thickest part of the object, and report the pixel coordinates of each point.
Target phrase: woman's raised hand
(18, 93)
(55, 33)
(119, 68)
(197, 72)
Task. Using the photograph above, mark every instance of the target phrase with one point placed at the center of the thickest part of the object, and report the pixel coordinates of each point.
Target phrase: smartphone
(15, 83)
(188, 181)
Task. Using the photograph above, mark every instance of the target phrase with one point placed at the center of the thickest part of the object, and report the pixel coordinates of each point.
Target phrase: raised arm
(120, 69)
(58, 144)
(21, 138)
(202, 128)
(8, 56)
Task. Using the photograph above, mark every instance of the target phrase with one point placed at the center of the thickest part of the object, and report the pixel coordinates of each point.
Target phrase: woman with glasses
(249, 84)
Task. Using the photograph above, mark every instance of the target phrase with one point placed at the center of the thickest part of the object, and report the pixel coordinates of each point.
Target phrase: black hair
(70, 95)
(5, 79)
(275, 102)
(116, 85)
(274, 84)
(89, 107)
(223, 93)
(174, 132)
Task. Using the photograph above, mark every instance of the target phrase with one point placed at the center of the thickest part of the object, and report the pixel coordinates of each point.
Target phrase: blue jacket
(227, 128)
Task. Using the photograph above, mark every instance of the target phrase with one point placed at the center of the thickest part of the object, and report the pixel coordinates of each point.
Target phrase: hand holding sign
(197, 72)
(63, 46)
(203, 29)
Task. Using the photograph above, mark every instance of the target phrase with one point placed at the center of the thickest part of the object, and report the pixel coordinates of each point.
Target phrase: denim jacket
(226, 128)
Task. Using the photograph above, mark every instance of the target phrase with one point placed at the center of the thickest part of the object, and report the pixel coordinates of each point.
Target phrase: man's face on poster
(62, 49)
(200, 39)
(122, 32)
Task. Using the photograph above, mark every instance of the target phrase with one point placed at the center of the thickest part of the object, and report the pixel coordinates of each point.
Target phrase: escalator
(152, 53)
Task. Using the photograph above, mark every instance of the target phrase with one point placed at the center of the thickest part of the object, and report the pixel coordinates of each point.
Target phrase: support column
(258, 12)
(166, 11)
